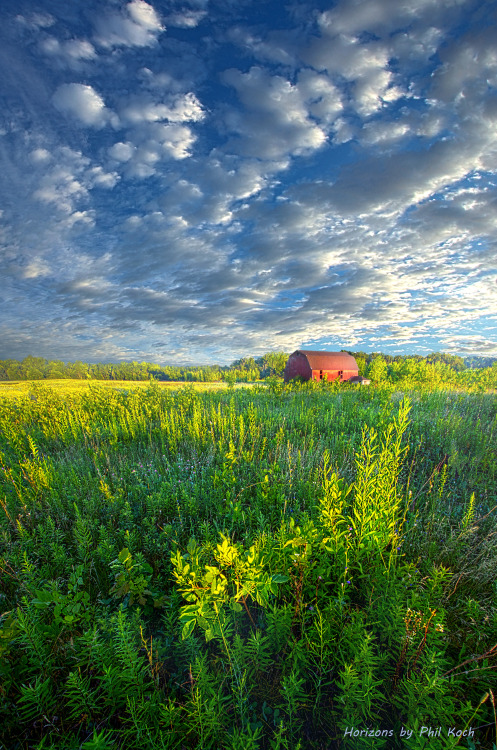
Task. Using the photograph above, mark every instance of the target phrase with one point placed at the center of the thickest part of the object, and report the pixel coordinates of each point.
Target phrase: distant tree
(230, 378)
(377, 369)
(35, 367)
(361, 363)
(77, 370)
(56, 370)
(452, 360)
(274, 363)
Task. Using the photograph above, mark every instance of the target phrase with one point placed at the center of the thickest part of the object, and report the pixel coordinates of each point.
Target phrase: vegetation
(303, 566)
(247, 369)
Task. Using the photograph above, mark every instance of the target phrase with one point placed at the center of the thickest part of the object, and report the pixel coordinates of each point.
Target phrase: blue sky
(202, 180)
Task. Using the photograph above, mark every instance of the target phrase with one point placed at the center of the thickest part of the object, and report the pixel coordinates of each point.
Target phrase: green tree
(274, 363)
(361, 363)
(377, 369)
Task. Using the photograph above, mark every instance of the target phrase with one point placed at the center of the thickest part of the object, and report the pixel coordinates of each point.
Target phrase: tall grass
(312, 568)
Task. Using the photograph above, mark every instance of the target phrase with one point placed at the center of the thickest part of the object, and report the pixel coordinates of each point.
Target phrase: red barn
(320, 366)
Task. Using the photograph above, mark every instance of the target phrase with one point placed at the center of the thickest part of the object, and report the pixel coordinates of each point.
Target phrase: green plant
(133, 577)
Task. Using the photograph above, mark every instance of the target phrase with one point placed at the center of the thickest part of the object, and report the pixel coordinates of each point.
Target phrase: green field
(210, 567)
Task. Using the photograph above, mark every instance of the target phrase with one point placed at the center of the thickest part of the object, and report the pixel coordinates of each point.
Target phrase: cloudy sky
(200, 180)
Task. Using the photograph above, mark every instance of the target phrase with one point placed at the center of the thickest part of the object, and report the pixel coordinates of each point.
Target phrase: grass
(240, 568)
(67, 386)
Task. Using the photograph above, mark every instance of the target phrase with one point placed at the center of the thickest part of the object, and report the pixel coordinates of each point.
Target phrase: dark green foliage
(248, 569)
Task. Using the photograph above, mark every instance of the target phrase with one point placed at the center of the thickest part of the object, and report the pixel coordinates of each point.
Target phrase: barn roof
(329, 360)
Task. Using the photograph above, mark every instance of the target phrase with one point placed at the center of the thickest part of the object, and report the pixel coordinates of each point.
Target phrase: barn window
(320, 374)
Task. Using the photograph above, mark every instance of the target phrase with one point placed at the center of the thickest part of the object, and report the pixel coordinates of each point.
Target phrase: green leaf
(123, 555)
(187, 629)
(191, 546)
(280, 578)
(188, 611)
(43, 597)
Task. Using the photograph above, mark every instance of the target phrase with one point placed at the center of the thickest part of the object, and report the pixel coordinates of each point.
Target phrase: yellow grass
(22, 388)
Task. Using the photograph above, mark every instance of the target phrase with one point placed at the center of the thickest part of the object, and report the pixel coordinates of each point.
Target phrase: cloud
(186, 19)
(276, 121)
(36, 21)
(136, 25)
(40, 155)
(73, 53)
(68, 181)
(364, 65)
(121, 152)
(182, 108)
(156, 133)
(149, 145)
(467, 345)
(84, 104)
(468, 71)
(336, 184)
(383, 17)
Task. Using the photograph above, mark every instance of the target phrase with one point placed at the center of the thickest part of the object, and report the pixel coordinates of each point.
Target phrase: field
(69, 387)
(247, 568)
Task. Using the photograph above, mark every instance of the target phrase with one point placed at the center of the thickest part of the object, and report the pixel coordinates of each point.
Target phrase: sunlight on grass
(197, 567)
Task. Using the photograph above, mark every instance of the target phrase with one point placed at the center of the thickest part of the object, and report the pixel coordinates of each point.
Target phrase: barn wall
(327, 374)
(333, 374)
(297, 366)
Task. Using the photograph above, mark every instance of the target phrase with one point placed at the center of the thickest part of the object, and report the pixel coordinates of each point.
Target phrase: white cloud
(321, 97)
(384, 133)
(136, 25)
(72, 53)
(84, 104)
(122, 152)
(174, 140)
(382, 17)
(40, 156)
(475, 344)
(186, 19)
(36, 268)
(274, 46)
(156, 133)
(468, 70)
(364, 65)
(69, 181)
(36, 21)
(150, 144)
(276, 120)
(97, 177)
(79, 49)
(182, 108)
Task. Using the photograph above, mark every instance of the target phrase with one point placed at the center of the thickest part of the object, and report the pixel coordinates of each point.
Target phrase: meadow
(247, 568)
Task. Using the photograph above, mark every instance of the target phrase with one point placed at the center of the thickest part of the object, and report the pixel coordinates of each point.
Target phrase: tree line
(246, 369)
(376, 365)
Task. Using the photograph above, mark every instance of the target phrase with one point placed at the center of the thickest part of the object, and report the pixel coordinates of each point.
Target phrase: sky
(197, 181)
